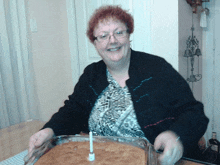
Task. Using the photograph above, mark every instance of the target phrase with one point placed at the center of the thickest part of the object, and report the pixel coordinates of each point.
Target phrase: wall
(51, 56)
(164, 30)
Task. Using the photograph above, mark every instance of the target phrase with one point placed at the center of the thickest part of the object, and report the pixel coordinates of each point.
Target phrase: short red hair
(108, 12)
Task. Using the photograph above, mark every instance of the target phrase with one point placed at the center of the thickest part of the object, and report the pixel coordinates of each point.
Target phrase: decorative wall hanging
(192, 52)
(195, 4)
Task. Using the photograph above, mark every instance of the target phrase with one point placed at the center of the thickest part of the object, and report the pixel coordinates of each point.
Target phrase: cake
(106, 153)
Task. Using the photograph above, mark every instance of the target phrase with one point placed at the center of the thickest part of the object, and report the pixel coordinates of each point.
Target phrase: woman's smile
(114, 49)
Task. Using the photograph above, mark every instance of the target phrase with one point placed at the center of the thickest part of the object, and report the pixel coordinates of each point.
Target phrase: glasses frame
(107, 38)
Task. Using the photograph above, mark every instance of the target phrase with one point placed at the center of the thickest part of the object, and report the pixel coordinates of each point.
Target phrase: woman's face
(115, 48)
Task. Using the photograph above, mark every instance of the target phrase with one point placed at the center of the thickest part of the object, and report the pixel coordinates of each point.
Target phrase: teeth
(115, 49)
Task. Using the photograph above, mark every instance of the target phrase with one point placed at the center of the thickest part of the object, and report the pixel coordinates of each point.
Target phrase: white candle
(91, 142)
(91, 154)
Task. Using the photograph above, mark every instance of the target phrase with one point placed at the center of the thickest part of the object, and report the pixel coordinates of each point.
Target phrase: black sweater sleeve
(190, 121)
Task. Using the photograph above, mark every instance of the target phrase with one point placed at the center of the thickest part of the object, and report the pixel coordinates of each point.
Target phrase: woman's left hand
(171, 145)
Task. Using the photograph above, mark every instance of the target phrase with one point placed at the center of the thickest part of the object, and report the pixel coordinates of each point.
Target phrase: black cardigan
(162, 101)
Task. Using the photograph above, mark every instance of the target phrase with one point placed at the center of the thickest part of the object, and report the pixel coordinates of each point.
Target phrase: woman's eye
(103, 36)
(119, 32)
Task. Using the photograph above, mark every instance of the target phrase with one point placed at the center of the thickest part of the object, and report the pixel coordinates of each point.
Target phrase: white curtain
(18, 99)
(211, 69)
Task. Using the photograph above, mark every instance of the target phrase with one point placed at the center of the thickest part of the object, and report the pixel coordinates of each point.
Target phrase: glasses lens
(121, 34)
(117, 35)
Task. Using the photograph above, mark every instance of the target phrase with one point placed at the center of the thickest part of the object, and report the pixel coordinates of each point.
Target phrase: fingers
(39, 138)
(158, 145)
(171, 155)
(166, 156)
(159, 142)
(32, 143)
(177, 156)
(173, 149)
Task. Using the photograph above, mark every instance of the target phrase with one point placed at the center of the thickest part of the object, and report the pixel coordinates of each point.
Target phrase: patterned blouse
(113, 113)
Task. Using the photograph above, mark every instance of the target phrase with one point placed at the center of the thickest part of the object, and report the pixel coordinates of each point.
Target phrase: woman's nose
(112, 38)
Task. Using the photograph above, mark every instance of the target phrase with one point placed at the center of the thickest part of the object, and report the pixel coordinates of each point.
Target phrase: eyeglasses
(106, 36)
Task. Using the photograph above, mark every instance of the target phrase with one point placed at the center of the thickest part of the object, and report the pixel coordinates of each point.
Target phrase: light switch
(33, 25)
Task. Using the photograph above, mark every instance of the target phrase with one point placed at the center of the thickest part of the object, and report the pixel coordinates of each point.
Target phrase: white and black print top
(113, 113)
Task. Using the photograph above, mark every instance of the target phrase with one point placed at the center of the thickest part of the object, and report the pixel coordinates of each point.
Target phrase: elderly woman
(129, 93)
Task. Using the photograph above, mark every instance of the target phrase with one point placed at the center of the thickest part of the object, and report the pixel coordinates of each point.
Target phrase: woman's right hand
(39, 138)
